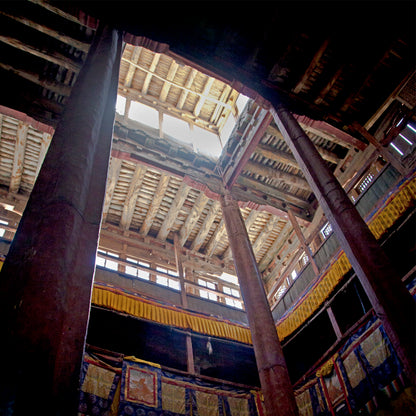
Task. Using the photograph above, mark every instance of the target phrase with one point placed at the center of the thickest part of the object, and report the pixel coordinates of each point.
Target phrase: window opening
(134, 271)
(105, 262)
(3, 230)
(121, 105)
(144, 114)
(326, 230)
(205, 294)
(165, 281)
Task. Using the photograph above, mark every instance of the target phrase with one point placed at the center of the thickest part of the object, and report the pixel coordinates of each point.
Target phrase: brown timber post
(390, 299)
(279, 399)
(184, 300)
(46, 280)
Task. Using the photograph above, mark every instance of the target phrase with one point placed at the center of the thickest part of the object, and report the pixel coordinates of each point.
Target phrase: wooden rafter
(277, 175)
(269, 190)
(150, 72)
(131, 198)
(176, 205)
(169, 77)
(276, 246)
(203, 96)
(185, 91)
(82, 46)
(218, 236)
(192, 218)
(265, 233)
(132, 69)
(54, 57)
(223, 98)
(154, 206)
(204, 230)
(277, 155)
(19, 155)
(113, 173)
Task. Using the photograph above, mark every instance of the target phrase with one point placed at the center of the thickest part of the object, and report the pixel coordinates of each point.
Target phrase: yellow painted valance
(379, 223)
(145, 309)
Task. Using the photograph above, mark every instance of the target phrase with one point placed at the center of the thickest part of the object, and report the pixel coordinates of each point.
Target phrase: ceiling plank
(19, 155)
(150, 72)
(169, 77)
(192, 218)
(131, 198)
(132, 69)
(54, 57)
(172, 213)
(112, 178)
(154, 206)
(206, 226)
(277, 175)
(82, 46)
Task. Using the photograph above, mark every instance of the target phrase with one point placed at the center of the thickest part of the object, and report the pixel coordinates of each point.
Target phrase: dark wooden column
(278, 393)
(390, 299)
(46, 280)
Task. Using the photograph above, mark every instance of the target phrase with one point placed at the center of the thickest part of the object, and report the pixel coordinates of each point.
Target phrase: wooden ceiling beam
(276, 155)
(132, 69)
(184, 93)
(82, 46)
(19, 155)
(192, 218)
(274, 249)
(203, 96)
(34, 77)
(54, 57)
(326, 154)
(169, 77)
(112, 179)
(206, 226)
(225, 95)
(265, 233)
(154, 206)
(150, 72)
(317, 57)
(218, 236)
(269, 190)
(276, 175)
(172, 213)
(131, 198)
(44, 145)
(251, 137)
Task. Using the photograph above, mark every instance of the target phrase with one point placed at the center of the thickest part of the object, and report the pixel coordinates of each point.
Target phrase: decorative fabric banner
(147, 390)
(99, 383)
(364, 369)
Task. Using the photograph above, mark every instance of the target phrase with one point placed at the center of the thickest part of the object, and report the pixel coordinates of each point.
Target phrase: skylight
(121, 105)
(229, 278)
(206, 143)
(144, 114)
(177, 128)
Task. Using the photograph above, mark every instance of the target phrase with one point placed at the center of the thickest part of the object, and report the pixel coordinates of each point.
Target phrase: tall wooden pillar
(277, 389)
(390, 299)
(46, 280)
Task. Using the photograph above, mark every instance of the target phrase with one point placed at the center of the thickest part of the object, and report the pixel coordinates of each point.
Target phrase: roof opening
(144, 114)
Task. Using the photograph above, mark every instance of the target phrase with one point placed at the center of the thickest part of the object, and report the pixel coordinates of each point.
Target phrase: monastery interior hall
(208, 208)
